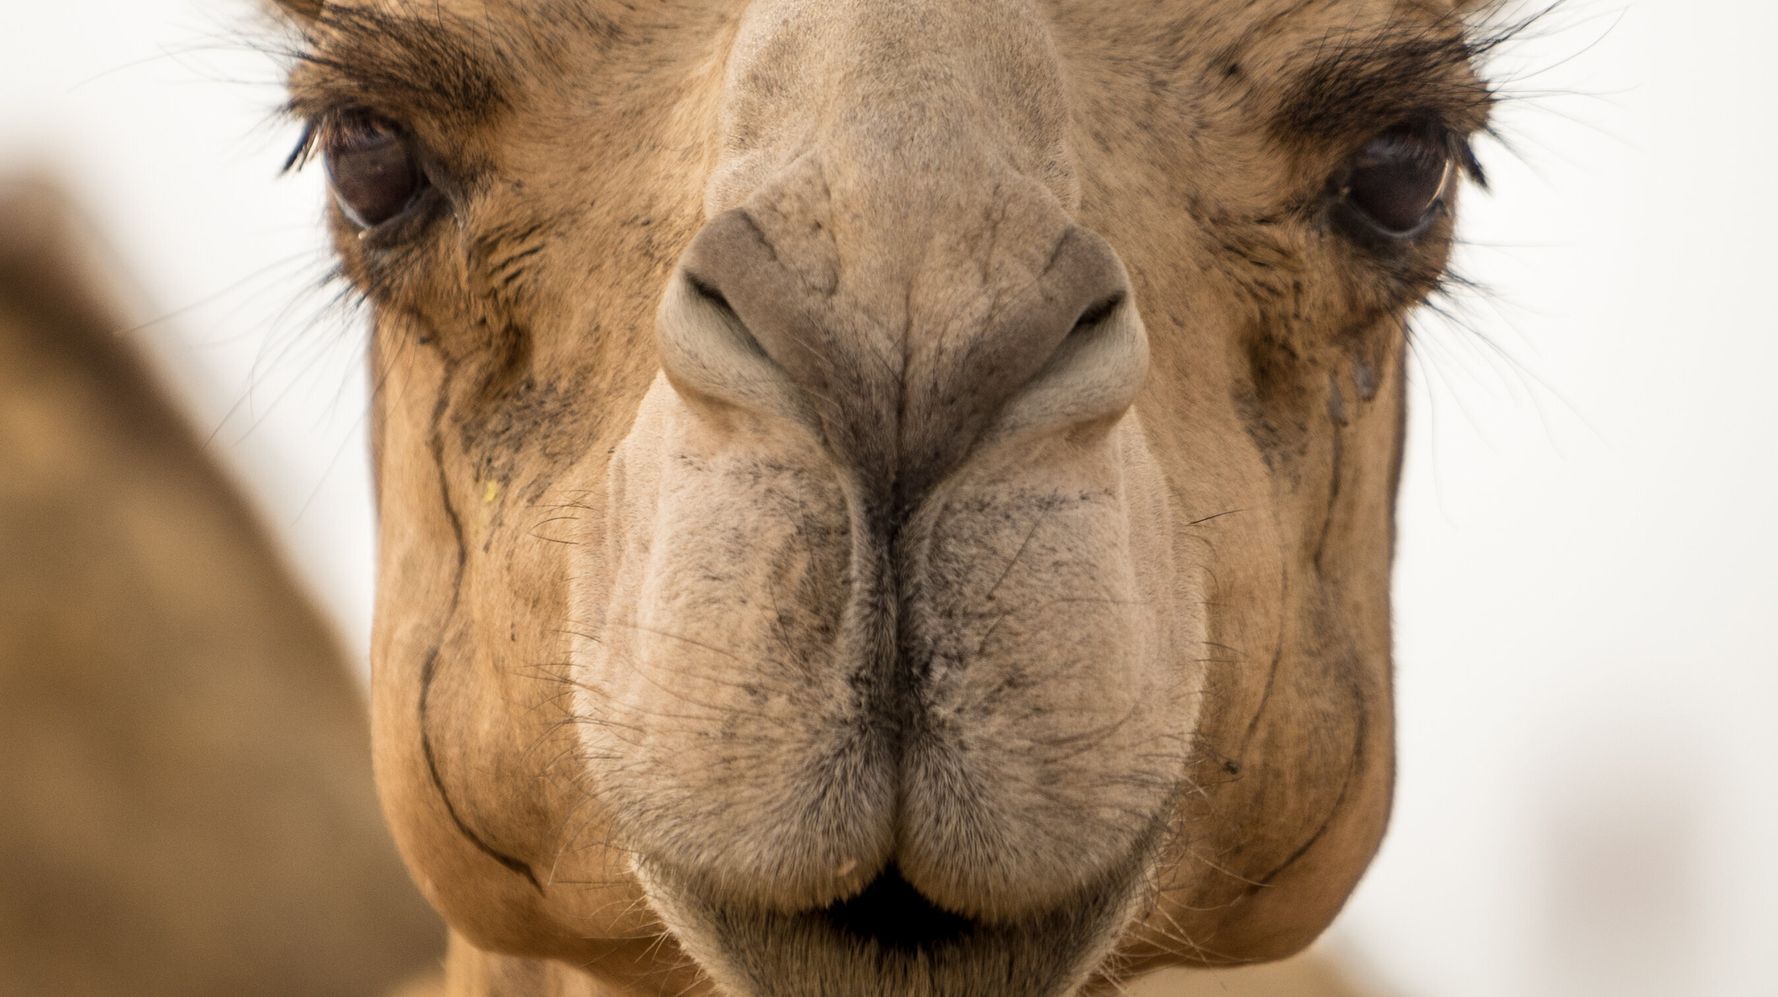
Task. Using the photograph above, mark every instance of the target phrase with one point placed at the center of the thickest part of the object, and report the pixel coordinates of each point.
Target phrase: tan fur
(693, 620)
(185, 783)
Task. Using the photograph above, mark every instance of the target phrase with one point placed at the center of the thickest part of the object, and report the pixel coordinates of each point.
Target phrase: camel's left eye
(1398, 181)
(371, 167)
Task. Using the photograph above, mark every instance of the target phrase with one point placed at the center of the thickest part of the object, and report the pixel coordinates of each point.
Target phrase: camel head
(885, 496)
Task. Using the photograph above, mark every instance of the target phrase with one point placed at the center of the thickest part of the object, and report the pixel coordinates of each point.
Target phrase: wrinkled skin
(877, 445)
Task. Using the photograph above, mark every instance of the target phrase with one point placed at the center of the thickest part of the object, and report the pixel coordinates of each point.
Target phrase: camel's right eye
(371, 167)
(1396, 185)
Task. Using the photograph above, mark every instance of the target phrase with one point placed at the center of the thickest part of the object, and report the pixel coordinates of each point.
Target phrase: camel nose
(901, 373)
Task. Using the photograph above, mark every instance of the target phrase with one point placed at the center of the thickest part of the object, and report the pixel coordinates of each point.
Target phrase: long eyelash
(1493, 31)
(306, 145)
(1464, 154)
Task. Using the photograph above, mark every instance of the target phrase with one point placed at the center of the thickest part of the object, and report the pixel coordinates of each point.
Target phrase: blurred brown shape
(185, 790)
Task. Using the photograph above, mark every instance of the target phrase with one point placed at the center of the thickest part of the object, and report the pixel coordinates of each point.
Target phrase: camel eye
(371, 167)
(1397, 182)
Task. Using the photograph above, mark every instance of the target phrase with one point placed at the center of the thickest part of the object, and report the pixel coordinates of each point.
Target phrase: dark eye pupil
(1398, 179)
(371, 169)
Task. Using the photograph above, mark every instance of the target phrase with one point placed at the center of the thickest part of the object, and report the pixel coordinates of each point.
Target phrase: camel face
(886, 496)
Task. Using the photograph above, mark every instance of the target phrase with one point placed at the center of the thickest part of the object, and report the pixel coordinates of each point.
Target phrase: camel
(885, 496)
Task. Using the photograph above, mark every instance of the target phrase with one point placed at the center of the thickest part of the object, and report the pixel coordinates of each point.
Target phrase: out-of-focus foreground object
(185, 770)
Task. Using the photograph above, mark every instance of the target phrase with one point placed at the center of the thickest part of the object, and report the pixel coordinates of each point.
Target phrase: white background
(1588, 579)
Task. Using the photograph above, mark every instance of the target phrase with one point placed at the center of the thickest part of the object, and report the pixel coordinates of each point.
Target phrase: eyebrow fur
(1398, 74)
(438, 64)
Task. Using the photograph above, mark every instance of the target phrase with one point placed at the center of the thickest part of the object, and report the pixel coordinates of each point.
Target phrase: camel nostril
(706, 291)
(1096, 314)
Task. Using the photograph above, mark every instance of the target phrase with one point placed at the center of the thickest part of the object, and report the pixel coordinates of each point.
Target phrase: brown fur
(187, 802)
(692, 623)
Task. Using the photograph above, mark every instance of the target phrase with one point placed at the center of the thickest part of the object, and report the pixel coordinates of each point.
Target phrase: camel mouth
(893, 914)
(889, 937)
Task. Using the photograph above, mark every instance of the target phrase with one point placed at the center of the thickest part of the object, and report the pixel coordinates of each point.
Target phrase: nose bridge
(908, 156)
(924, 85)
